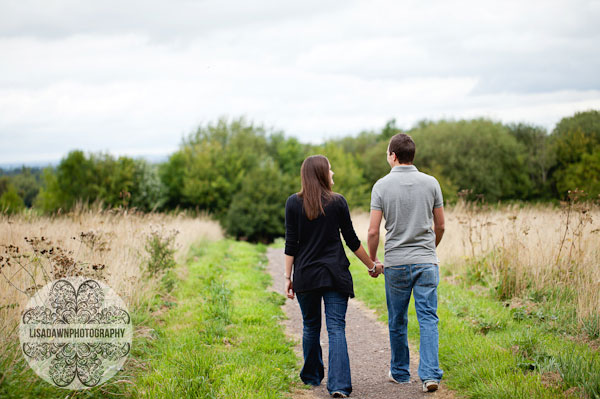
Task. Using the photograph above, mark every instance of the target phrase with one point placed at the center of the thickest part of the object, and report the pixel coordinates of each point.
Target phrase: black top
(319, 257)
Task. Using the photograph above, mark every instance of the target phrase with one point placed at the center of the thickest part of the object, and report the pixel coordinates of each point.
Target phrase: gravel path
(368, 347)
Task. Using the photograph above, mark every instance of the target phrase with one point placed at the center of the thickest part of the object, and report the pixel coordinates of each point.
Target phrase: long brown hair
(316, 185)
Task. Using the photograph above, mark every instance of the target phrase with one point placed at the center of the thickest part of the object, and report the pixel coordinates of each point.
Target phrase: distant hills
(9, 166)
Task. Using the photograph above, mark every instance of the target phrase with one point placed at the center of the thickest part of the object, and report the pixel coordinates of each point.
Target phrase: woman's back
(320, 259)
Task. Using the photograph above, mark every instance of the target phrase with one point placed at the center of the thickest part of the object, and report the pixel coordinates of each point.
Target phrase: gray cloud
(158, 19)
(135, 76)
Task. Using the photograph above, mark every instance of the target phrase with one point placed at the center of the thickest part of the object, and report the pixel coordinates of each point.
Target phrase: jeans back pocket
(398, 277)
(427, 276)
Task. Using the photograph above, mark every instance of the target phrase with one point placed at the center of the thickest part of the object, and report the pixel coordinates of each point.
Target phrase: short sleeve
(376, 204)
(438, 201)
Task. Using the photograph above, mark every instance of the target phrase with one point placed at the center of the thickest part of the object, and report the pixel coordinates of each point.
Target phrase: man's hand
(289, 288)
(378, 269)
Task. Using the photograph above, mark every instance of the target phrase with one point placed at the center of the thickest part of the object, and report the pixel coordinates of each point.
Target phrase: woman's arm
(352, 240)
(289, 287)
(372, 266)
(291, 245)
(291, 228)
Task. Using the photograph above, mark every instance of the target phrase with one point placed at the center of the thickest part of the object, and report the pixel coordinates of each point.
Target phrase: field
(116, 247)
(519, 301)
(524, 253)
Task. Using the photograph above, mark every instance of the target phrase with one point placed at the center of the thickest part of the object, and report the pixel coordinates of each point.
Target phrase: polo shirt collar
(405, 168)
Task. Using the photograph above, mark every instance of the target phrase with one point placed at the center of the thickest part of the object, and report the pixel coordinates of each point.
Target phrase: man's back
(407, 198)
(411, 203)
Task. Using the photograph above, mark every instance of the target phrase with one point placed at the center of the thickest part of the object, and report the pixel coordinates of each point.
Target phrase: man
(410, 202)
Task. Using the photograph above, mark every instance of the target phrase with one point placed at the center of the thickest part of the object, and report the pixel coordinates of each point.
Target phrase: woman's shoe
(338, 395)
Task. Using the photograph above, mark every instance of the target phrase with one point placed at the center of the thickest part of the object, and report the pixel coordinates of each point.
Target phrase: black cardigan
(319, 258)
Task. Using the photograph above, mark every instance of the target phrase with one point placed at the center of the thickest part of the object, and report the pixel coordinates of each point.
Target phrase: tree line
(241, 173)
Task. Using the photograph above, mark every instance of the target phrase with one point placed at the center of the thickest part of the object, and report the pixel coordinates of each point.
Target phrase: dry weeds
(107, 245)
(539, 246)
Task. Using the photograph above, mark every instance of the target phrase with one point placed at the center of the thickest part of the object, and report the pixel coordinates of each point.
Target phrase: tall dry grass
(524, 248)
(109, 245)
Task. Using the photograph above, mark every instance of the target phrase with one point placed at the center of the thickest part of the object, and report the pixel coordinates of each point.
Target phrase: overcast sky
(133, 77)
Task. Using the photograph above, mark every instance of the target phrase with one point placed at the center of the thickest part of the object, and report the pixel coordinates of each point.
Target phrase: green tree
(390, 129)
(539, 157)
(289, 153)
(574, 138)
(348, 178)
(171, 175)
(27, 182)
(10, 201)
(257, 211)
(576, 135)
(100, 177)
(149, 193)
(49, 198)
(374, 162)
(4, 183)
(477, 154)
(376, 166)
(366, 149)
(211, 164)
(583, 175)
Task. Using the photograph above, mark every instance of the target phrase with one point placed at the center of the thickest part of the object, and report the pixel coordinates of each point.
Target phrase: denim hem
(311, 384)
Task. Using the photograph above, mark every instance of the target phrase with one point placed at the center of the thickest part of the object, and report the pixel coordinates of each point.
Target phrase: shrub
(10, 202)
(257, 212)
(160, 248)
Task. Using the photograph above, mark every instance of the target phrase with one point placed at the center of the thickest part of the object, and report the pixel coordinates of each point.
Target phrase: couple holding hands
(412, 205)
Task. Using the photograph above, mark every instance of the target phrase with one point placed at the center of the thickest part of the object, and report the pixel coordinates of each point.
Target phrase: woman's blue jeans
(422, 280)
(336, 304)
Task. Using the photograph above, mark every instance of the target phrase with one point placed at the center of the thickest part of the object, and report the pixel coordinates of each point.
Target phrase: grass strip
(223, 339)
(487, 351)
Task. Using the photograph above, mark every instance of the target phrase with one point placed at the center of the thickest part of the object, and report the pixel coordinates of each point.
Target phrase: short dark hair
(403, 146)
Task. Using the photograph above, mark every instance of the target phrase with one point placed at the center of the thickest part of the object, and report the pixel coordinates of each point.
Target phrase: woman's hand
(378, 269)
(289, 288)
(289, 264)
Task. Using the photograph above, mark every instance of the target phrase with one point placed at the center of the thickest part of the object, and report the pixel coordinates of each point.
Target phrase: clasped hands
(378, 269)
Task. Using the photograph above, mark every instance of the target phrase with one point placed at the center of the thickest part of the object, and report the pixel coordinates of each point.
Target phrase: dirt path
(368, 347)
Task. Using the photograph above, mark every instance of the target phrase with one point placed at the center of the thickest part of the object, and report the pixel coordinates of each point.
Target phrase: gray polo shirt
(407, 198)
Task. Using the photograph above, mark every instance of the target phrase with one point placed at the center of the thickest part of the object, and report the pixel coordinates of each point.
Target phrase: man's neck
(401, 164)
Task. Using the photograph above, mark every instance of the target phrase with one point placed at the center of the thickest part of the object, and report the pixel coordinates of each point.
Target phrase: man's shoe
(338, 395)
(430, 385)
(392, 379)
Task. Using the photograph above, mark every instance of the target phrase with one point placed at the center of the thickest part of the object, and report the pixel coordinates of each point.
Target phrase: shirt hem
(410, 261)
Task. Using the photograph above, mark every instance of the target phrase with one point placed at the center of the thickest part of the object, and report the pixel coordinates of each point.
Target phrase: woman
(314, 218)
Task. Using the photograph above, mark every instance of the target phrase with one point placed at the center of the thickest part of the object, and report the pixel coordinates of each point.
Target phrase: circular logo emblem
(76, 333)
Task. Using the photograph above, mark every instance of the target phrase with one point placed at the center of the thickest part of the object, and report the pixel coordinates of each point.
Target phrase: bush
(161, 249)
(474, 154)
(257, 211)
(10, 202)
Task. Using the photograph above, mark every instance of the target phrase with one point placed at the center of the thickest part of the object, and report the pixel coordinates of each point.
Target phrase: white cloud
(134, 77)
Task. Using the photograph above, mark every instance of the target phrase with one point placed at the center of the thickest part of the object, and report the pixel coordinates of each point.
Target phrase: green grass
(223, 339)
(216, 335)
(488, 350)
(21, 382)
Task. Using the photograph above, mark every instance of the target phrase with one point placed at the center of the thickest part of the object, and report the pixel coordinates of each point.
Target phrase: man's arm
(373, 237)
(438, 224)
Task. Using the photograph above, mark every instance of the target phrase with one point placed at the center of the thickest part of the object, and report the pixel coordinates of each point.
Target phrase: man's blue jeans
(422, 279)
(336, 304)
